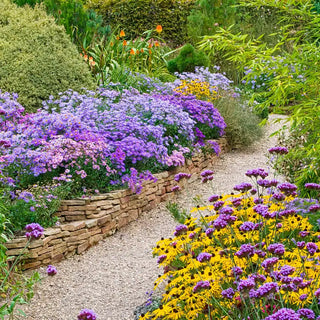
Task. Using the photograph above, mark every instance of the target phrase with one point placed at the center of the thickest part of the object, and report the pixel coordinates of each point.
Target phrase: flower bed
(86, 221)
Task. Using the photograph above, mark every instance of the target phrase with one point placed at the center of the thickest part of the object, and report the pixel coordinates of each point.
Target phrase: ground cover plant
(250, 255)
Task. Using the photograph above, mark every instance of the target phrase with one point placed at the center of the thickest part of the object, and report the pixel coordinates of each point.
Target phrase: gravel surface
(112, 278)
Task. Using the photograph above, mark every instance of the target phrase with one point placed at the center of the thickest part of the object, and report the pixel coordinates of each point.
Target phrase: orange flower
(124, 42)
(150, 51)
(159, 28)
(122, 34)
(90, 59)
(85, 57)
(93, 63)
(111, 44)
(156, 44)
(141, 50)
(117, 37)
(150, 45)
(132, 51)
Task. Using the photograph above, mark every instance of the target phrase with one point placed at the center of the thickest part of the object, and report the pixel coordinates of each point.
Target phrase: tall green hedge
(137, 16)
(37, 58)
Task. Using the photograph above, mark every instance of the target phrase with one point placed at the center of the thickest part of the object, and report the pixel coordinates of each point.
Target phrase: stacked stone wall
(85, 222)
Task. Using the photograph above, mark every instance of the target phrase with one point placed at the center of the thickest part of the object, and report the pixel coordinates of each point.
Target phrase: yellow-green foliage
(37, 58)
(136, 16)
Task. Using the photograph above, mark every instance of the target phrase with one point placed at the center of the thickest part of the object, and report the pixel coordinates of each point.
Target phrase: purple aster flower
(51, 270)
(87, 314)
(204, 256)
(278, 150)
(180, 229)
(161, 258)
(277, 248)
(306, 313)
(228, 293)
(213, 198)
(201, 285)
(312, 248)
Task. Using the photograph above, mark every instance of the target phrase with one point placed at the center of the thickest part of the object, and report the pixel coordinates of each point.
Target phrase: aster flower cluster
(260, 257)
(104, 130)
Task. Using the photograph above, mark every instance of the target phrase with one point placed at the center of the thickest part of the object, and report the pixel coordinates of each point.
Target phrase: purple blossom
(278, 196)
(246, 250)
(312, 248)
(161, 258)
(204, 256)
(314, 208)
(180, 229)
(51, 270)
(257, 173)
(175, 188)
(278, 150)
(218, 205)
(236, 202)
(301, 244)
(286, 270)
(226, 210)
(246, 284)
(181, 176)
(209, 232)
(201, 285)
(206, 173)
(236, 271)
(268, 263)
(312, 186)
(303, 297)
(228, 293)
(34, 231)
(87, 314)
(284, 314)
(277, 249)
(247, 226)
(266, 289)
(287, 188)
(243, 187)
(213, 198)
(306, 313)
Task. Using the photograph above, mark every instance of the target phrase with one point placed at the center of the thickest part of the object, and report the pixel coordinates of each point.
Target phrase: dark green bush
(187, 60)
(37, 57)
(136, 16)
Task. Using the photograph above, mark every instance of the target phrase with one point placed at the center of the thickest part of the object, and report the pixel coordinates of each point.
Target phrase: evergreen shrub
(188, 59)
(136, 16)
(37, 56)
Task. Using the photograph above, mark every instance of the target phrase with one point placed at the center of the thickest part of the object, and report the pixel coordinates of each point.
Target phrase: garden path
(112, 278)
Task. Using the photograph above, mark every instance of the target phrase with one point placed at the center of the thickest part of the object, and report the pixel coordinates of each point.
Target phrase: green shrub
(37, 57)
(136, 16)
(242, 124)
(187, 60)
(81, 24)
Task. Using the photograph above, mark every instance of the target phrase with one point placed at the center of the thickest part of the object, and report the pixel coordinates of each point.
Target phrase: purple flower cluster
(213, 198)
(51, 270)
(257, 173)
(268, 263)
(223, 220)
(228, 293)
(204, 256)
(312, 186)
(245, 251)
(201, 285)
(264, 290)
(287, 188)
(87, 314)
(180, 229)
(278, 150)
(277, 249)
(206, 175)
(161, 258)
(181, 176)
(284, 314)
(243, 187)
(34, 231)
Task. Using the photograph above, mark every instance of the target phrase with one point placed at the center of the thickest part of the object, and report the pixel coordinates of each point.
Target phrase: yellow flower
(122, 34)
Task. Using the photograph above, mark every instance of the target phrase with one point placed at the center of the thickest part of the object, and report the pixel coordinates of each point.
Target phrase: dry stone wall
(85, 222)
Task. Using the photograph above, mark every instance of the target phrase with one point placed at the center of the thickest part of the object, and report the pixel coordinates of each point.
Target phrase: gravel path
(112, 277)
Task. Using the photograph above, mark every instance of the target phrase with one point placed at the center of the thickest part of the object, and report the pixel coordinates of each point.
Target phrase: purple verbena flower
(87, 314)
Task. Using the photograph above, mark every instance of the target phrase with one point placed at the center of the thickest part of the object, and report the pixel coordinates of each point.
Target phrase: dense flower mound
(119, 135)
(251, 257)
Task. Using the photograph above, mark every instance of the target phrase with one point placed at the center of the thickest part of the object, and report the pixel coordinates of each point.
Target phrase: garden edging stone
(85, 222)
